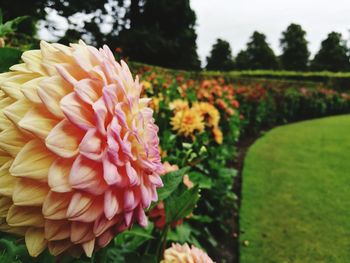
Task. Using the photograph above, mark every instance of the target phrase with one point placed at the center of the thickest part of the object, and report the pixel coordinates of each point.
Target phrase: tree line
(162, 32)
(333, 54)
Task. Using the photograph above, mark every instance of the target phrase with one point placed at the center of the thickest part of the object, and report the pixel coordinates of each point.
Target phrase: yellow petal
(17, 110)
(29, 192)
(89, 247)
(4, 157)
(19, 231)
(64, 139)
(84, 207)
(38, 121)
(33, 161)
(25, 216)
(12, 140)
(5, 204)
(81, 232)
(35, 241)
(7, 181)
(57, 229)
(6, 75)
(33, 59)
(30, 90)
(20, 67)
(4, 121)
(51, 91)
(57, 247)
(12, 86)
(55, 205)
(58, 177)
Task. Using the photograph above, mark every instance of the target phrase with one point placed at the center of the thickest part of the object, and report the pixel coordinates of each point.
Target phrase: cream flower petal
(77, 112)
(51, 91)
(64, 139)
(35, 241)
(55, 205)
(84, 207)
(57, 247)
(33, 58)
(7, 181)
(58, 176)
(38, 122)
(57, 230)
(30, 90)
(12, 140)
(25, 216)
(33, 161)
(86, 175)
(28, 192)
(16, 111)
(81, 232)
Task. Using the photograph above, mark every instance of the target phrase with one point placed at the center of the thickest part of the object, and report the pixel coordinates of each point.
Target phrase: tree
(333, 54)
(258, 54)
(295, 54)
(220, 56)
(164, 34)
(242, 60)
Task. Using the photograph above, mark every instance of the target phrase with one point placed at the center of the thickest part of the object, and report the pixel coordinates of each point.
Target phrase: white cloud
(235, 21)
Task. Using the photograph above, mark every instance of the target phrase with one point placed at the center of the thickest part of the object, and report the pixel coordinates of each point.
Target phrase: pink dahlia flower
(79, 149)
(184, 254)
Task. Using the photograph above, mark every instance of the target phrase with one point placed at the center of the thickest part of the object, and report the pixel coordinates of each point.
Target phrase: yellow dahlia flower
(79, 149)
(184, 254)
(178, 105)
(186, 122)
(210, 114)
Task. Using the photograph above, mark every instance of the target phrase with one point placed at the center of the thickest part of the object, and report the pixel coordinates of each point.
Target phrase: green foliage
(181, 203)
(9, 26)
(333, 54)
(220, 56)
(9, 57)
(258, 54)
(171, 182)
(295, 54)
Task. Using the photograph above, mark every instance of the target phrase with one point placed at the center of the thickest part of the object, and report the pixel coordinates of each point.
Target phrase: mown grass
(296, 194)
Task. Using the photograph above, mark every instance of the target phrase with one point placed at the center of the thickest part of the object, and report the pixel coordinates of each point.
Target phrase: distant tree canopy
(220, 56)
(161, 33)
(242, 60)
(295, 54)
(333, 54)
(258, 54)
(158, 32)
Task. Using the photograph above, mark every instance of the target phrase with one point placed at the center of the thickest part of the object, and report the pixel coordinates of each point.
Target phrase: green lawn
(296, 194)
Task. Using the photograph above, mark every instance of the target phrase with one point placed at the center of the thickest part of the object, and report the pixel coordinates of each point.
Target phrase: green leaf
(201, 179)
(171, 181)
(180, 234)
(11, 25)
(140, 232)
(9, 57)
(228, 173)
(181, 204)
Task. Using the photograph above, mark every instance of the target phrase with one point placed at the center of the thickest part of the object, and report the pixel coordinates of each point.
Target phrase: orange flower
(218, 136)
(187, 122)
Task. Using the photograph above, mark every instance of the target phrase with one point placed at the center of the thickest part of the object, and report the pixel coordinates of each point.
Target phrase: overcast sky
(235, 21)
